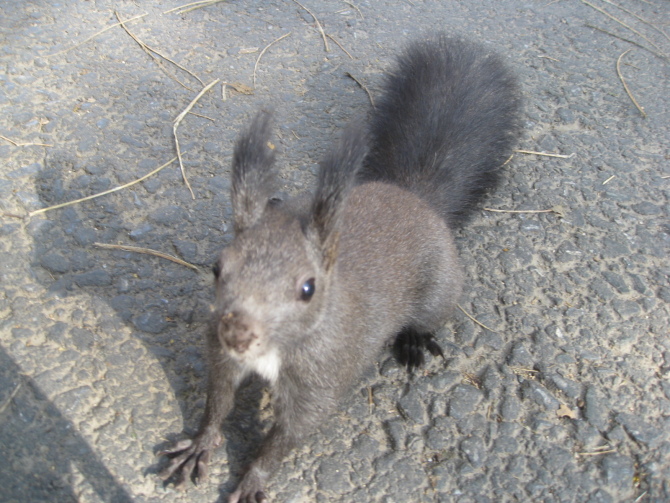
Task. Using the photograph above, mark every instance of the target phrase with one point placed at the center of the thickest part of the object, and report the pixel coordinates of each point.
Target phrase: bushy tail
(445, 124)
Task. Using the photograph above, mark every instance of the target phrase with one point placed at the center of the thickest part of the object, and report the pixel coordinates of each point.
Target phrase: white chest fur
(267, 365)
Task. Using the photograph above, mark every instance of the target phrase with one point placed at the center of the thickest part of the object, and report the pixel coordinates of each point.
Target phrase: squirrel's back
(447, 120)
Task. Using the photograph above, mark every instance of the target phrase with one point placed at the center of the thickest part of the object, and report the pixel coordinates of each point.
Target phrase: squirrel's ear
(253, 176)
(336, 177)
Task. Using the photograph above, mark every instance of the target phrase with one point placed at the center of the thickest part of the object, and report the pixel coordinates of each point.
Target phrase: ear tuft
(336, 177)
(253, 174)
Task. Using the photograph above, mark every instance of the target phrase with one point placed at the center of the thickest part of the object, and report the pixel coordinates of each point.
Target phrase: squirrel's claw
(189, 460)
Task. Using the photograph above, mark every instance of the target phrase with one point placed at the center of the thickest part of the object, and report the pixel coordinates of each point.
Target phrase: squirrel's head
(273, 281)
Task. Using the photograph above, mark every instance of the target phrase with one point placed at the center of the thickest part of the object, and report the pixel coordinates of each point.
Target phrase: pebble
(168, 215)
(539, 394)
(411, 406)
(98, 277)
(474, 451)
(464, 400)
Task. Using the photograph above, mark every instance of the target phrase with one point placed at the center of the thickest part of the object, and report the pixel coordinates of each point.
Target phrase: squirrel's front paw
(189, 458)
(250, 489)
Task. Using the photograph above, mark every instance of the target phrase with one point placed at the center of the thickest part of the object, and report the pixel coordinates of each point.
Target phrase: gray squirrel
(312, 289)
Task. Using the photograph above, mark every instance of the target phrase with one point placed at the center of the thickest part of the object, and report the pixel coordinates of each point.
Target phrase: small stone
(168, 215)
(614, 248)
(187, 249)
(464, 400)
(602, 289)
(124, 304)
(505, 445)
(639, 429)
(626, 308)
(638, 284)
(565, 115)
(442, 381)
(619, 473)
(333, 475)
(646, 208)
(511, 408)
(55, 263)
(411, 407)
(365, 447)
(56, 332)
(98, 277)
(83, 339)
(600, 496)
(594, 410)
(489, 339)
(556, 459)
(568, 252)
(152, 321)
(438, 438)
(152, 185)
(131, 140)
(520, 357)
(84, 236)
(7, 229)
(617, 281)
(571, 389)
(396, 432)
(140, 231)
(539, 394)
(474, 450)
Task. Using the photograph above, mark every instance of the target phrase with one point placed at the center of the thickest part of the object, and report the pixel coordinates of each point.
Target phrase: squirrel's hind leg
(409, 346)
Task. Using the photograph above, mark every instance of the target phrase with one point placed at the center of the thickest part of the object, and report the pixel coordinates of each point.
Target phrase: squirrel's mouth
(237, 333)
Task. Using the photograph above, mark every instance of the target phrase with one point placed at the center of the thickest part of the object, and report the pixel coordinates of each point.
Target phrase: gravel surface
(565, 398)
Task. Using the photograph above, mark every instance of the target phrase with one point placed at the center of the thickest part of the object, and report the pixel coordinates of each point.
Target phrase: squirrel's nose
(237, 332)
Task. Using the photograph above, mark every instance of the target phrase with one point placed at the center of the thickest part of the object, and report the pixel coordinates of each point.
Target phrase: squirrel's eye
(216, 269)
(307, 290)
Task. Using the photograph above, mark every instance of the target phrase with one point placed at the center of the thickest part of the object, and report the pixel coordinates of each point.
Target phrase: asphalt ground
(564, 397)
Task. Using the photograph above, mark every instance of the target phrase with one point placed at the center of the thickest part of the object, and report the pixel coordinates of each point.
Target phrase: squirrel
(312, 289)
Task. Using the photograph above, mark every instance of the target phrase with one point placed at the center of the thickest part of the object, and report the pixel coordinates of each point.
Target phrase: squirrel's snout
(237, 333)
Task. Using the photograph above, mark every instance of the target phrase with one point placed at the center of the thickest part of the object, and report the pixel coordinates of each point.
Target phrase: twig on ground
(475, 320)
(16, 144)
(546, 154)
(627, 40)
(372, 101)
(638, 18)
(146, 251)
(597, 453)
(625, 86)
(95, 35)
(639, 498)
(263, 52)
(203, 116)
(193, 6)
(339, 45)
(69, 203)
(550, 210)
(558, 210)
(151, 51)
(622, 24)
(175, 125)
(355, 7)
(10, 398)
(318, 24)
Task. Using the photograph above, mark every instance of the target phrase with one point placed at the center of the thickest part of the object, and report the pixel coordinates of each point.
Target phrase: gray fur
(380, 256)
